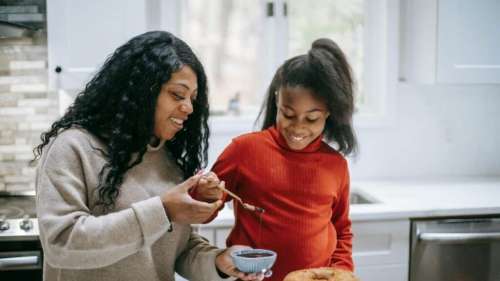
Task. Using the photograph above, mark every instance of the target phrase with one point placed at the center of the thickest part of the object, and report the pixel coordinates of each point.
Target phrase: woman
(109, 202)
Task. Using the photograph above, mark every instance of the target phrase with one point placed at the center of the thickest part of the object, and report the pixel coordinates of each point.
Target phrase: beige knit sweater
(129, 243)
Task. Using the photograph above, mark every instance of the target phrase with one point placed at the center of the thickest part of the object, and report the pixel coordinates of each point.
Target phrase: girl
(289, 170)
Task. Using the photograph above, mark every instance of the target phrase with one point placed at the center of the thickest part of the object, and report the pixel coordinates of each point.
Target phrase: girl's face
(300, 117)
(175, 103)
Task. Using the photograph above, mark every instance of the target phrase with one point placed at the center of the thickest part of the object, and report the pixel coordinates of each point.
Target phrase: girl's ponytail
(328, 52)
(333, 70)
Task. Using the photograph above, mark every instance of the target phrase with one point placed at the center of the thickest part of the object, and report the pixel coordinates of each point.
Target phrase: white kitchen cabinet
(450, 41)
(468, 41)
(216, 235)
(83, 33)
(380, 249)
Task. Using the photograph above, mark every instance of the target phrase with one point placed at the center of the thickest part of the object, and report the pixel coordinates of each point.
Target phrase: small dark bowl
(253, 260)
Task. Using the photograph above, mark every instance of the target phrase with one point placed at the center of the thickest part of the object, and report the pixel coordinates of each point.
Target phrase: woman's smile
(177, 122)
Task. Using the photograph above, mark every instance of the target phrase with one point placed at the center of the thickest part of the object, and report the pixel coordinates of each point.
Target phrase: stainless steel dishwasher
(455, 249)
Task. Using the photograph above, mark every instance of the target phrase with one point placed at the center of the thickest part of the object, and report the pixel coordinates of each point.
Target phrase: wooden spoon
(247, 206)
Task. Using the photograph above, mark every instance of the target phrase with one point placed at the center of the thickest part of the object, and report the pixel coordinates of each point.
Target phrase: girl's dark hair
(118, 106)
(324, 70)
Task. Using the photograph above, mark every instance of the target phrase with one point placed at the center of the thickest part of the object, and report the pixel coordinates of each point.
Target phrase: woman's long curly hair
(324, 70)
(118, 106)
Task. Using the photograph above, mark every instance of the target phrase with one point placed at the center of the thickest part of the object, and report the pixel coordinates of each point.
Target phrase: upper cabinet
(450, 41)
(82, 33)
(468, 41)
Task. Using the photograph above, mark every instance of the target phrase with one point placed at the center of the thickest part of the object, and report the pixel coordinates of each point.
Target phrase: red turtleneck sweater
(305, 194)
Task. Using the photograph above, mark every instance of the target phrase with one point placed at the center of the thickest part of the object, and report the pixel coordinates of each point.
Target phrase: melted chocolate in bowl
(255, 255)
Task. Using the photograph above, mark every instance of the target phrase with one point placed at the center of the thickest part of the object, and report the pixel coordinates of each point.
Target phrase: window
(241, 44)
(230, 39)
(340, 20)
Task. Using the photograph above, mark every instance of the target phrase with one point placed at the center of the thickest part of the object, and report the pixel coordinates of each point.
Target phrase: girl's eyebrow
(309, 111)
(314, 110)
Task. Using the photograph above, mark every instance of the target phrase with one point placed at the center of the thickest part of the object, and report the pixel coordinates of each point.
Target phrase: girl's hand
(225, 264)
(182, 208)
(207, 189)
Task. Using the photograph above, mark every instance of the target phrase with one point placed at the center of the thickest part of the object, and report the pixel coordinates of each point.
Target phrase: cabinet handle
(464, 238)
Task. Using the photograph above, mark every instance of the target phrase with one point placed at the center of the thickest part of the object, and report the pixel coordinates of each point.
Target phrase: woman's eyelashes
(177, 96)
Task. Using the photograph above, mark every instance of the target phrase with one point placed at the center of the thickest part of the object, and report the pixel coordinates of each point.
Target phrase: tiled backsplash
(26, 107)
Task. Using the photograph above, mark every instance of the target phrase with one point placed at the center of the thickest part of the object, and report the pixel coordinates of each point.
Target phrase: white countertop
(412, 199)
(416, 199)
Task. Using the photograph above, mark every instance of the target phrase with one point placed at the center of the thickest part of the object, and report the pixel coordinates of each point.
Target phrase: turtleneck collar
(156, 148)
(281, 141)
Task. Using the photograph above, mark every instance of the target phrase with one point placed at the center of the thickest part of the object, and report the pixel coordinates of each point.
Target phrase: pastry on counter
(322, 273)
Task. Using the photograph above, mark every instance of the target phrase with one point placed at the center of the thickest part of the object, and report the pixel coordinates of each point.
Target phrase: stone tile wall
(26, 107)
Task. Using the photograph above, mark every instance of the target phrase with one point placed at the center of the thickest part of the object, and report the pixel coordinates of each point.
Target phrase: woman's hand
(182, 208)
(207, 189)
(224, 263)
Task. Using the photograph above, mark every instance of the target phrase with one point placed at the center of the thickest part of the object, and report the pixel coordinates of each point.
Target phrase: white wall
(438, 131)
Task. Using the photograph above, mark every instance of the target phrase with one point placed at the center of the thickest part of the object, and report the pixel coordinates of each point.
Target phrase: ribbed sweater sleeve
(226, 166)
(342, 256)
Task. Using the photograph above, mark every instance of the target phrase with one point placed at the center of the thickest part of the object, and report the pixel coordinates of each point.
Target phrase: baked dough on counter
(321, 274)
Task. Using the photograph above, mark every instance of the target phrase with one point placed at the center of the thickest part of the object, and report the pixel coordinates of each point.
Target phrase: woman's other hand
(182, 208)
(224, 263)
(208, 188)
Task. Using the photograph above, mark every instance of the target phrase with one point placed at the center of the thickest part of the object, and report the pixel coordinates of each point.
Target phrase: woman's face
(175, 103)
(300, 116)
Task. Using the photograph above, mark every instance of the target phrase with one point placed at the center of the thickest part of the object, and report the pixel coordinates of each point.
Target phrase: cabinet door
(216, 235)
(82, 33)
(468, 41)
(380, 249)
(391, 272)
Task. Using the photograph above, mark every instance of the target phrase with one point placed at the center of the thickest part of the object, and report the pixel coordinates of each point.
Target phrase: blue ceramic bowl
(253, 260)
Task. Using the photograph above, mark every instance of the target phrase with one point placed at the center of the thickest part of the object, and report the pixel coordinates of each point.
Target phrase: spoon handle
(231, 194)
(244, 205)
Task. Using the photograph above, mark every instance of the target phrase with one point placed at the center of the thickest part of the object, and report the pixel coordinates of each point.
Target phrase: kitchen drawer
(380, 242)
(391, 272)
